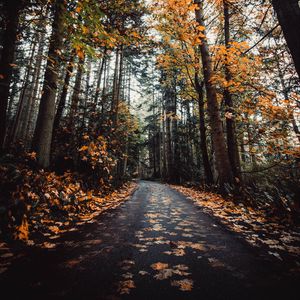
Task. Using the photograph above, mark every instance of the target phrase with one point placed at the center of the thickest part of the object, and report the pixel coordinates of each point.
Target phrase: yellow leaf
(80, 53)
(184, 285)
(22, 231)
(83, 148)
(85, 30)
(159, 266)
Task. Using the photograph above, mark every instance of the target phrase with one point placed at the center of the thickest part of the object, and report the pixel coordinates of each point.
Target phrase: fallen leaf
(72, 263)
(126, 286)
(181, 267)
(164, 274)
(48, 245)
(143, 273)
(178, 252)
(184, 284)
(159, 266)
(275, 254)
(214, 262)
(199, 247)
(127, 275)
(7, 255)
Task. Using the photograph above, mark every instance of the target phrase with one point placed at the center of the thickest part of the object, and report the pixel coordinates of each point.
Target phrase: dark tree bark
(30, 115)
(118, 80)
(76, 93)
(157, 139)
(168, 99)
(115, 89)
(29, 100)
(175, 176)
(99, 75)
(164, 147)
(288, 13)
(84, 100)
(206, 164)
(25, 94)
(285, 89)
(220, 151)
(63, 97)
(44, 127)
(12, 10)
(233, 151)
(169, 159)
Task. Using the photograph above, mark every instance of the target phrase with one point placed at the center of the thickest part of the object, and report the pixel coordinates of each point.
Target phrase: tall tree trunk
(221, 155)
(12, 10)
(232, 146)
(44, 127)
(30, 115)
(115, 89)
(25, 115)
(163, 141)
(169, 158)
(117, 93)
(206, 164)
(21, 110)
(120, 79)
(63, 97)
(175, 177)
(129, 86)
(99, 75)
(285, 93)
(84, 102)
(288, 13)
(243, 150)
(76, 93)
(158, 153)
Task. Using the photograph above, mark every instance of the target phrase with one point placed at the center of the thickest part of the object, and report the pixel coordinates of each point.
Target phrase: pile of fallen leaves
(83, 209)
(37, 203)
(257, 226)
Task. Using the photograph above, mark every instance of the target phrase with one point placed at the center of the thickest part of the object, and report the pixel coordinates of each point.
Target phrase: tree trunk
(175, 177)
(115, 88)
(120, 79)
(63, 97)
(12, 10)
(21, 111)
(233, 151)
(84, 102)
(76, 94)
(169, 158)
(288, 13)
(44, 127)
(99, 75)
(118, 85)
(164, 156)
(158, 153)
(220, 151)
(30, 115)
(206, 164)
(285, 93)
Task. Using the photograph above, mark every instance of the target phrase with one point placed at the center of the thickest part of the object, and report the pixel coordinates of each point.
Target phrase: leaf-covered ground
(44, 227)
(256, 226)
(157, 245)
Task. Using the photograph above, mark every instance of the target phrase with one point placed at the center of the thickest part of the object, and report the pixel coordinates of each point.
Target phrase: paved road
(157, 245)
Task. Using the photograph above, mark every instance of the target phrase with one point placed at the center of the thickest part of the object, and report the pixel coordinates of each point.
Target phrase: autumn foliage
(94, 93)
(37, 201)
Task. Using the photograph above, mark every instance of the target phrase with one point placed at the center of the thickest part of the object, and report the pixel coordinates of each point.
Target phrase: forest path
(157, 245)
